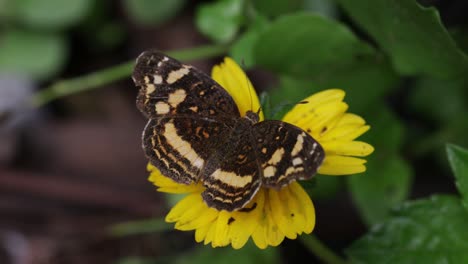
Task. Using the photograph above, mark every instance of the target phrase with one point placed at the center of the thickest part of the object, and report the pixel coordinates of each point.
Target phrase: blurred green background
(70, 158)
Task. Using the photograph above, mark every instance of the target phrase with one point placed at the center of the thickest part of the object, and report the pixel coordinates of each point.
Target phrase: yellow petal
(210, 234)
(341, 165)
(273, 232)
(200, 233)
(347, 148)
(345, 132)
(196, 216)
(245, 222)
(286, 212)
(305, 203)
(180, 209)
(166, 184)
(259, 235)
(221, 237)
(321, 119)
(267, 232)
(349, 119)
(233, 79)
(313, 102)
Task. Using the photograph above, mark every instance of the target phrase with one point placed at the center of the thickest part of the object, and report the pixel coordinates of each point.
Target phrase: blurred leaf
(274, 8)
(386, 132)
(108, 36)
(220, 20)
(443, 104)
(326, 8)
(306, 70)
(430, 230)
(460, 35)
(458, 158)
(434, 141)
(412, 35)
(50, 14)
(265, 105)
(439, 100)
(365, 83)
(323, 187)
(249, 254)
(242, 49)
(32, 54)
(385, 184)
(290, 91)
(388, 178)
(148, 12)
(316, 46)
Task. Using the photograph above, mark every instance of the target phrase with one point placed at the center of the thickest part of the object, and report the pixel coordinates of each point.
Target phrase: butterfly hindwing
(232, 176)
(180, 147)
(285, 153)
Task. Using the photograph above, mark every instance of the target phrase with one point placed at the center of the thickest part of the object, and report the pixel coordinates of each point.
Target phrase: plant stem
(140, 227)
(115, 73)
(321, 250)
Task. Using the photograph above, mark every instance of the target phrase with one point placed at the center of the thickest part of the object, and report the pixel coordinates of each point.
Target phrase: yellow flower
(271, 215)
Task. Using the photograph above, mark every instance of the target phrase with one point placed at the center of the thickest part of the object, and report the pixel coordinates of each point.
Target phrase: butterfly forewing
(168, 87)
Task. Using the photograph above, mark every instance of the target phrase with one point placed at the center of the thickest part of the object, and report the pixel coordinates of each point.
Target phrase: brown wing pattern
(170, 88)
(285, 153)
(195, 133)
(232, 176)
(188, 112)
(179, 147)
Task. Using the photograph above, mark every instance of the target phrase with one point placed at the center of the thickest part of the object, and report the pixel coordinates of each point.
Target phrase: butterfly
(195, 133)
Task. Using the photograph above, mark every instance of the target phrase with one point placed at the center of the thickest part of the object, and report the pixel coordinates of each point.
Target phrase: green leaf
(439, 100)
(249, 254)
(304, 70)
(306, 45)
(220, 20)
(323, 187)
(36, 55)
(458, 158)
(430, 230)
(388, 178)
(385, 184)
(274, 8)
(413, 36)
(50, 14)
(386, 133)
(148, 12)
(326, 8)
(365, 83)
(242, 49)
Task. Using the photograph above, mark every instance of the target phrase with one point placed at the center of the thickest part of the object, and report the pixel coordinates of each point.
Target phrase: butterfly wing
(189, 114)
(232, 175)
(170, 88)
(285, 153)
